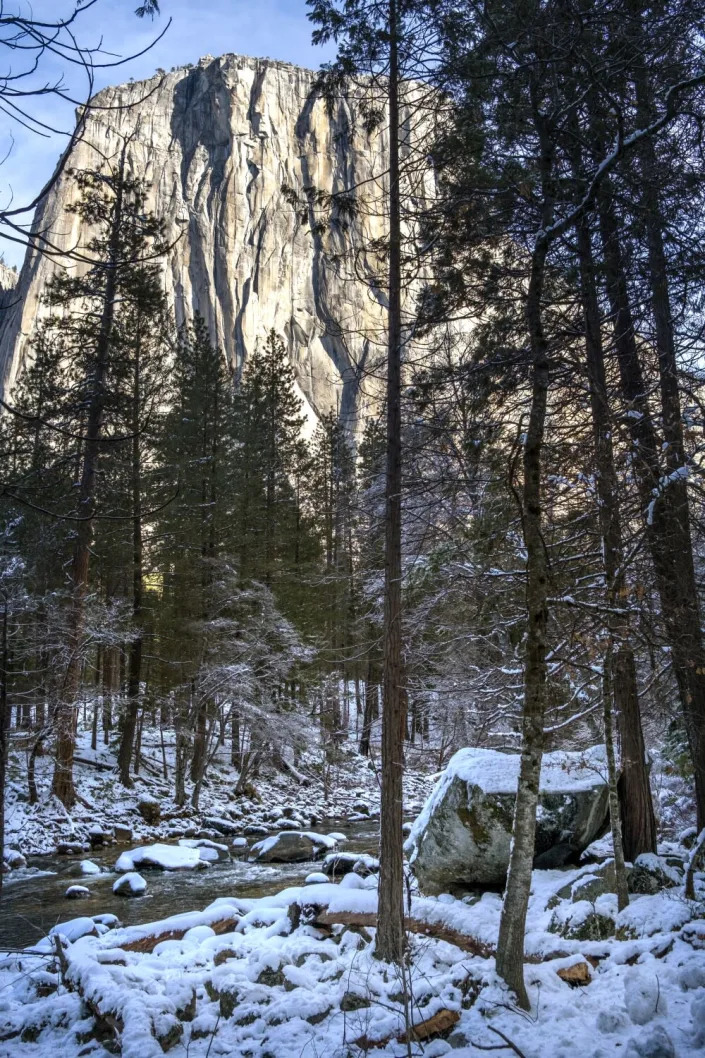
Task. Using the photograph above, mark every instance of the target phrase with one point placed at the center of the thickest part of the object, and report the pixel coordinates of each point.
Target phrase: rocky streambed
(34, 897)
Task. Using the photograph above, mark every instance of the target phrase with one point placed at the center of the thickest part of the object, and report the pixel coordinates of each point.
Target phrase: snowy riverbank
(349, 790)
(294, 974)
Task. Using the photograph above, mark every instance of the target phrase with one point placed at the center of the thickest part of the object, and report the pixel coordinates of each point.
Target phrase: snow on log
(330, 905)
(222, 918)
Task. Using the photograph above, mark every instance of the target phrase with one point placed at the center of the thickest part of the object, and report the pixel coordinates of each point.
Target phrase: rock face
(461, 838)
(8, 282)
(216, 144)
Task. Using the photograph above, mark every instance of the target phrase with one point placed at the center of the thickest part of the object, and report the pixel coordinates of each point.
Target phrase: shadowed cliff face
(215, 144)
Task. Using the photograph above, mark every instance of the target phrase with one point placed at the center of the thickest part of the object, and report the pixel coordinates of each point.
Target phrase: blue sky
(278, 29)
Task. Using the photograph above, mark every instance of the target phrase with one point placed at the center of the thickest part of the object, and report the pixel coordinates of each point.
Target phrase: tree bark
(615, 820)
(675, 492)
(512, 927)
(390, 937)
(665, 519)
(638, 818)
(638, 823)
(135, 668)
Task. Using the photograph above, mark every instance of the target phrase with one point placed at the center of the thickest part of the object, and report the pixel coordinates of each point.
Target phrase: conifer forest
(352, 528)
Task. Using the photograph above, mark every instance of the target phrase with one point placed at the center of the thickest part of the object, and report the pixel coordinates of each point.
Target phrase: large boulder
(462, 837)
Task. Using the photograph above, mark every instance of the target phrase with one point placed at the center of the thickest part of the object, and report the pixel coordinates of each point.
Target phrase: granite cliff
(215, 143)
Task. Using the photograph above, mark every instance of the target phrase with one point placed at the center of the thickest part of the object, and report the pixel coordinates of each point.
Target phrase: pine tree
(269, 424)
(194, 533)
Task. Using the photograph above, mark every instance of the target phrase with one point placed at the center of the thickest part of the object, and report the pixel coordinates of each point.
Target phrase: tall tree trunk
(620, 870)
(512, 927)
(235, 755)
(198, 756)
(665, 516)
(108, 691)
(368, 711)
(135, 670)
(65, 716)
(390, 931)
(638, 818)
(638, 830)
(675, 489)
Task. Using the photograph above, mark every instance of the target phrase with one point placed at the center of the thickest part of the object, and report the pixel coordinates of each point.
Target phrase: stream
(33, 898)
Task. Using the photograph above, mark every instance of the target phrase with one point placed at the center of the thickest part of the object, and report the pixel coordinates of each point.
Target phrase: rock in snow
(291, 847)
(150, 810)
(88, 867)
(316, 878)
(159, 857)
(338, 864)
(462, 836)
(131, 884)
(209, 851)
(77, 892)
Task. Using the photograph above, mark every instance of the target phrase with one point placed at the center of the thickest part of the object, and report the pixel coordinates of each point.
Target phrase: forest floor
(349, 789)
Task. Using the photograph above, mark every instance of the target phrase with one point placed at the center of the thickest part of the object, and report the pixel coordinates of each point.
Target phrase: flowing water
(33, 898)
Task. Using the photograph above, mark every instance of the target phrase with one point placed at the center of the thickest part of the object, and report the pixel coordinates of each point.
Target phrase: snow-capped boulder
(221, 825)
(654, 1044)
(255, 830)
(643, 996)
(122, 833)
(71, 848)
(287, 824)
(88, 867)
(316, 878)
(291, 847)
(74, 929)
(77, 892)
(159, 857)
(131, 884)
(210, 851)
(99, 835)
(338, 864)
(463, 834)
(652, 873)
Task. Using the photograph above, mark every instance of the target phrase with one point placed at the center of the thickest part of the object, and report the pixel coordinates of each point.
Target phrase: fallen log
(313, 915)
(148, 943)
(99, 764)
(438, 1025)
(106, 1021)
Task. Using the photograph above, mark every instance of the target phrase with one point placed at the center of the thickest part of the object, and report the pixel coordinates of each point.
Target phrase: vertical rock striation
(216, 142)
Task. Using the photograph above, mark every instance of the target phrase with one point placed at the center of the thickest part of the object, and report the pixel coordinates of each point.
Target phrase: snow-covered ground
(351, 788)
(294, 974)
(284, 976)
